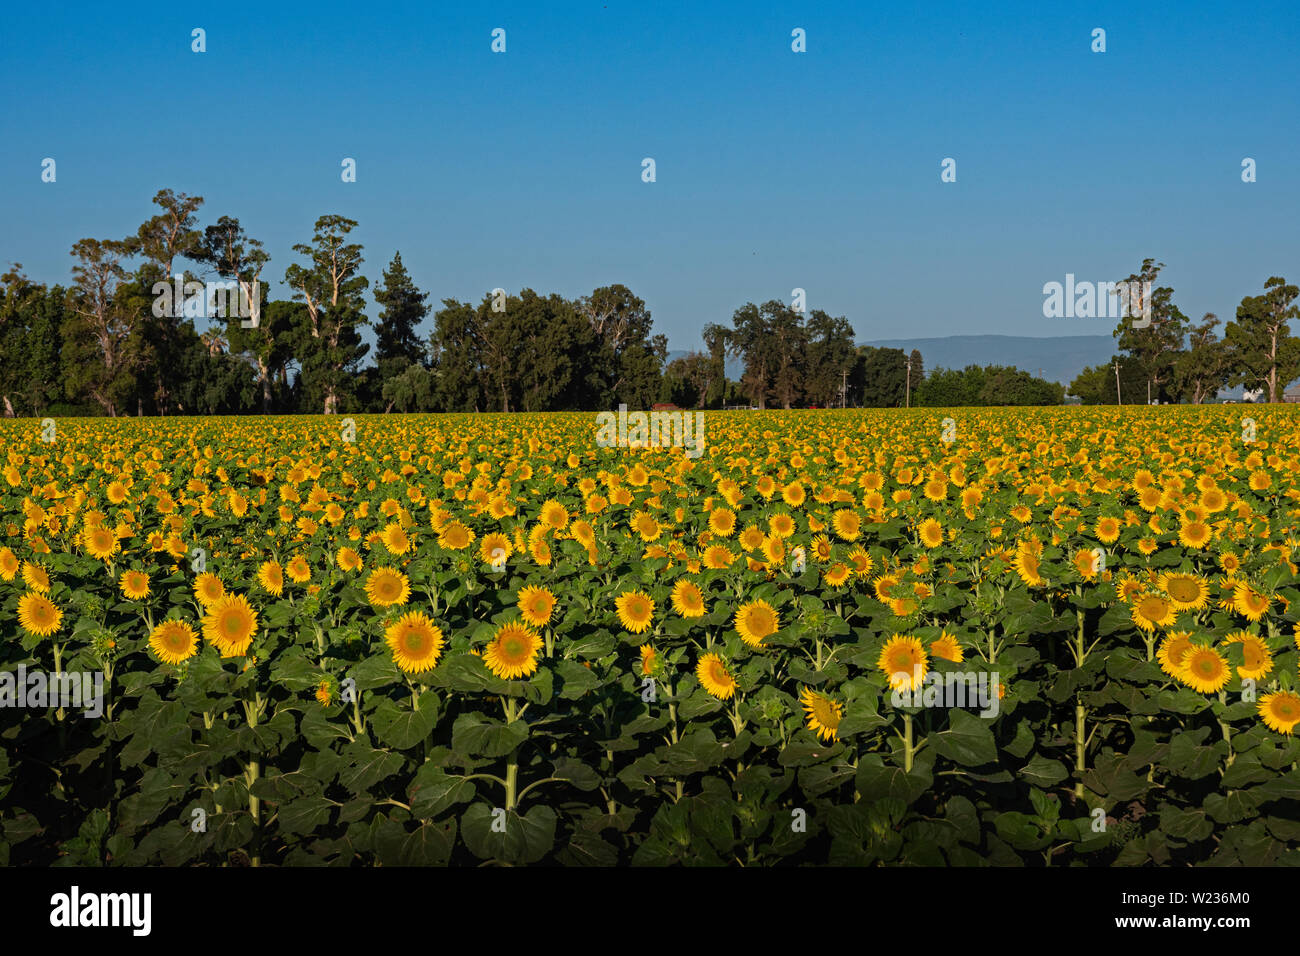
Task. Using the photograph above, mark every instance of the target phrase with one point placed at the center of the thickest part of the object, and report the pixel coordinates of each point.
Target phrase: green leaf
(403, 728)
(433, 790)
(481, 736)
(968, 740)
(515, 838)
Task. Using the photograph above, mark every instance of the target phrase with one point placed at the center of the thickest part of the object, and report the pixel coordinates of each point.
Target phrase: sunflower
(946, 648)
(1280, 711)
(1026, 564)
(756, 621)
(230, 624)
(1257, 659)
(455, 536)
(298, 569)
(271, 577)
(861, 562)
(495, 548)
(1151, 611)
(717, 557)
(838, 574)
(1248, 602)
(824, 714)
(1204, 669)
(1187, 592)
(554, 515)
(1107, 529)
(1173, 650)
(648, 660)
(793, 494)
(416, 642)
(208, 589)
(635, 610)
(100, 542)
(1087, 563)
(884, 586)
(38, 615)
(535, 605)
(134, 584)
(386, 587)
(904, 662)
(847, 524)
(688, 599)
(174, 641)
(714, 677)
(512, 652)
(324, 693)
(930, 532)
(395, 539)
(9, 564)
(1194, 534)
(722, 522)
(348, 560)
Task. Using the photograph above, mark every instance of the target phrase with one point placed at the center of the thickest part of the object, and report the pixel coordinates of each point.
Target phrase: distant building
(1292, 394)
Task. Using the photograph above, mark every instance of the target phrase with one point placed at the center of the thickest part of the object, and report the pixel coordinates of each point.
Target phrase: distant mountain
(1057, 358)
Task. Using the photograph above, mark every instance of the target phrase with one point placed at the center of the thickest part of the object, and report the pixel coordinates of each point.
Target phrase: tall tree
(629, 360)
(1205, 367)
(1264, 352)
(715, 342)
(329, 345)
(98, 351)
(829, 359)
(403, 308)
(1153, 335)
(30, 317)
(170, 234)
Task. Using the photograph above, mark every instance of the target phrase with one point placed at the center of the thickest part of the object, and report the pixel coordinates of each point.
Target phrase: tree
(715, 342)
(686, 381)
(98, 353)
(455, 350)
(830, 353)
(1263, 351)
(1157, 345)
(171, 233)
(1205, 367)
(30, 317)
(1089, 386)
(403, 309)
(771, 341)
(751, 342)
(228, 249)
(329, 345)
(883, 376)
(628, 361)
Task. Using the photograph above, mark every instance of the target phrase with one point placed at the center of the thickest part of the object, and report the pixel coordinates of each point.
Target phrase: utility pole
(1119, 399)
(909, 382)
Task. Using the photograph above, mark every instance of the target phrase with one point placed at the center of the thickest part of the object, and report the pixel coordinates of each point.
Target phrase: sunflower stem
(908, 752)
(512, 783)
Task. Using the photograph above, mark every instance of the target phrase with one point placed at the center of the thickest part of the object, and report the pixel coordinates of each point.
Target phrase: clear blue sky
(775, 169)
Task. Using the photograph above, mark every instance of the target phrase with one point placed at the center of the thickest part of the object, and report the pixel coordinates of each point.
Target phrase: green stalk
(908, 752)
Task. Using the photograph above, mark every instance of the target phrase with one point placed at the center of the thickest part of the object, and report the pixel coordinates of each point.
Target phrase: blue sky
(775, 170)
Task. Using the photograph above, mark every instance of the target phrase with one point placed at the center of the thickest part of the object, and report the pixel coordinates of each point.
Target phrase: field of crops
(1042, 637)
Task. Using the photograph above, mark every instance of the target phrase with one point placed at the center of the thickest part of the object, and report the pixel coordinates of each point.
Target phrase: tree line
(1173, 360)
(103, 345)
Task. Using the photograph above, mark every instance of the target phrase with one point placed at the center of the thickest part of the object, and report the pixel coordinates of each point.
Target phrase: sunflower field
(459, 639)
